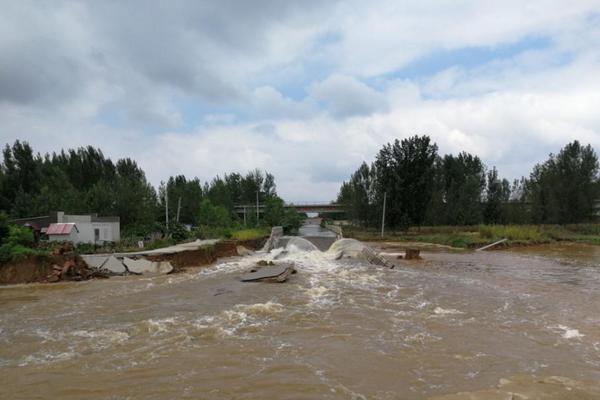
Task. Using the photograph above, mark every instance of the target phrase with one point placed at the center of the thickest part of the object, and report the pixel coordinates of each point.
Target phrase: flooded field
(336, 330)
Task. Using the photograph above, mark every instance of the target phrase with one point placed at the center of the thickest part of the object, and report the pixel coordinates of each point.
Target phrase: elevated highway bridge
(308, 207)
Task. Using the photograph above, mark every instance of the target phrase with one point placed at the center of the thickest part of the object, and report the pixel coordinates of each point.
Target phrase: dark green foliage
(292, 220)
(3, 226)
(455, 190)
(276, 214)
(497, 194)
(274, 211)
(359, 195)
(564, 188)
(463, 180)
(178, 232)
(16, 243)
(184, 196)
(405, 171)
(75, 181)
(213, 216)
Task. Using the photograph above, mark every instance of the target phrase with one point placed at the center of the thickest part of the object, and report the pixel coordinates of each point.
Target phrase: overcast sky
(305, 89)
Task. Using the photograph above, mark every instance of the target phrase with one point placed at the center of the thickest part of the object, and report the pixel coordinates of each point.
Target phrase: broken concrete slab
(163, 267)
(114, 266)
(352, 248)
(278, 273)
(242, 251)
(143, 266)
(138, 266)
(273, 241)
(94, 261)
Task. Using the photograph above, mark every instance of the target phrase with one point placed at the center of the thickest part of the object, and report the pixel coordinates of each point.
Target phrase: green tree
(274, 211)
(497, 194)
(464, 181)
(359, 195)
(564, 188)
(405, 172)
(213, 216)
(292, 220)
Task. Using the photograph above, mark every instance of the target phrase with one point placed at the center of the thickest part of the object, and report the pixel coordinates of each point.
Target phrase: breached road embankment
(69, 266)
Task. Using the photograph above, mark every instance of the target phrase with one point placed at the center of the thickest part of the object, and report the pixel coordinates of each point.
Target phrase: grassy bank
(250, 234)
(476, 236)
(130, 244)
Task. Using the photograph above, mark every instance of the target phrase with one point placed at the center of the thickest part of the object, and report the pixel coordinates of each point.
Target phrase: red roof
(61, 228)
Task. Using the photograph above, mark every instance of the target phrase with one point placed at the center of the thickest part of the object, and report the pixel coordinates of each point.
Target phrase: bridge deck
(304, 208)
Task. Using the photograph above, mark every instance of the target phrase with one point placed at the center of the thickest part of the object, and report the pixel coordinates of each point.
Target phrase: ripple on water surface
(337, 329)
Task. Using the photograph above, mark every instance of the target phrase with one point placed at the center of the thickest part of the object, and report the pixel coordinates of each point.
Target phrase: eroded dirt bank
(49, 269)
(70, 267)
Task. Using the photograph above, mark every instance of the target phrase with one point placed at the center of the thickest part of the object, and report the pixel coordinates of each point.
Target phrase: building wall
(72, 237)
(109, 231)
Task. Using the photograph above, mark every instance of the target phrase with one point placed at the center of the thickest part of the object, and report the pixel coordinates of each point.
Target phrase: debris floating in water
(278, 273)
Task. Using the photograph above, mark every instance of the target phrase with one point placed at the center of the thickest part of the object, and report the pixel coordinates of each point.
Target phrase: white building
(84, 228)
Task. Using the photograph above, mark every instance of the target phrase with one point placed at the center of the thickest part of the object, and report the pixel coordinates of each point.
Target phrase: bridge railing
(298, 204)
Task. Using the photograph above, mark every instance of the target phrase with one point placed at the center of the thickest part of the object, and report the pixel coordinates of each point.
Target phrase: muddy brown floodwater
(336, 330)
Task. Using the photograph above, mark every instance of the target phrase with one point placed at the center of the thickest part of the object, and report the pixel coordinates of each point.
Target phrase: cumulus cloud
(307, 90)
(345, 96)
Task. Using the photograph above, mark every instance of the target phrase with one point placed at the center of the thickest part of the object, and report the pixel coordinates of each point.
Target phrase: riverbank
(70, 266)
(470, 237)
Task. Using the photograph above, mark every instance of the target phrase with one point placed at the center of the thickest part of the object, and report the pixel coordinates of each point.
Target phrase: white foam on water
(261, 309)
(159, 326)
(47, 358)
(298, 245)
(237, 265)
(103, 337)
(446, 311)
(421, 338)
(240, 321)
(316, 292)
(567, 332)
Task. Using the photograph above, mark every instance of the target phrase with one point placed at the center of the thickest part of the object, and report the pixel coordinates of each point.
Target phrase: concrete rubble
(273, 241)
(351, 248)
(72, 270)
(242, 251)
(114, 266)
(143, 266)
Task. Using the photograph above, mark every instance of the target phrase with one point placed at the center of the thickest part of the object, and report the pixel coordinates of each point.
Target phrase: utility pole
(178, 208)
(244, 216)
(167, 207)
(257, 205)
(383, 214)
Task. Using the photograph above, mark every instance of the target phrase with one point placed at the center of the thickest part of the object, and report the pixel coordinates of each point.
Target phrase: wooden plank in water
(278, 272)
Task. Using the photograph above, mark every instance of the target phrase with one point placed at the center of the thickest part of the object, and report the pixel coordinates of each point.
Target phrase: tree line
(422, 187)
(83, 180)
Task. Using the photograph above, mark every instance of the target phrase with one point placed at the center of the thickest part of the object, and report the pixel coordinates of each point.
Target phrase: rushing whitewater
(338, 329)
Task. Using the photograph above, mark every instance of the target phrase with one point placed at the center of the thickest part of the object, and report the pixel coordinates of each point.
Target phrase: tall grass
(249, 234)
(512, 232)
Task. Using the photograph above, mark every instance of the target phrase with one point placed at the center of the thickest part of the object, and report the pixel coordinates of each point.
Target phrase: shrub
(16, 244)
(85, 248)
(178, 231)
(19, 235)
